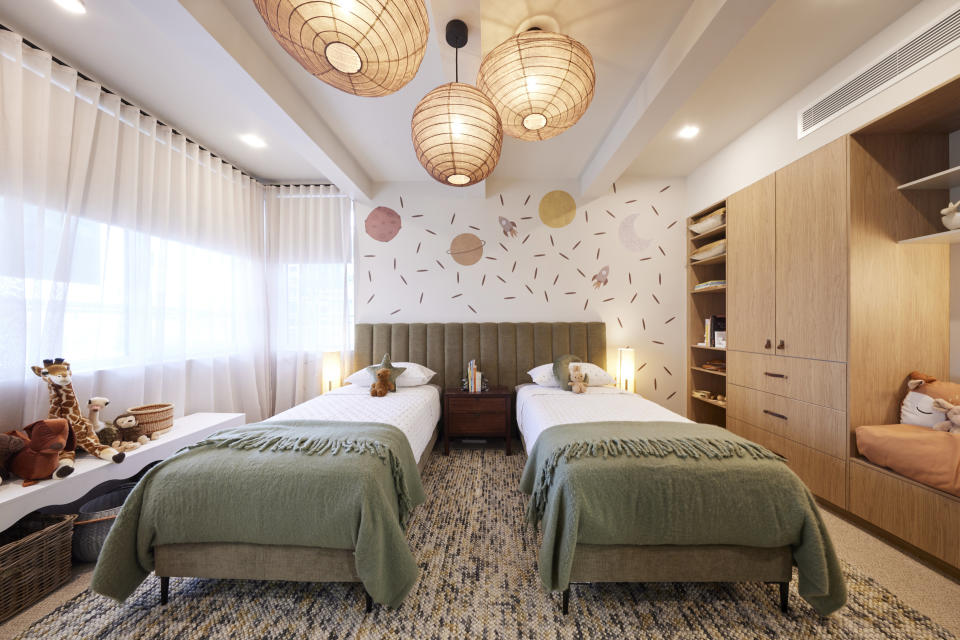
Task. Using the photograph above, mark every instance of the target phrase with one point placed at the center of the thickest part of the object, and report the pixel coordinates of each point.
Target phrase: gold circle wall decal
(557, 209)
(466, 249)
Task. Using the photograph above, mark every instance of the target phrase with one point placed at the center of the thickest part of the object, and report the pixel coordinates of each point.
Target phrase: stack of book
(715, 331)
(474, 378)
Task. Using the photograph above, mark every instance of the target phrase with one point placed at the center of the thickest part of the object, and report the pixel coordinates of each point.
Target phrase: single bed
(680, 554)
(922, 454)
(410, 416)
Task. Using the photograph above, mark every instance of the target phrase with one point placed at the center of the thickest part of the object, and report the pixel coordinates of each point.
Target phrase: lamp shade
(363, 47)
(540, 82)
(456, 134)
(330, 371)
(625, 368)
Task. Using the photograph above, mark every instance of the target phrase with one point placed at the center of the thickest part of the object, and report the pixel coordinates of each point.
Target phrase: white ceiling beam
(321, 146)
(707, 33)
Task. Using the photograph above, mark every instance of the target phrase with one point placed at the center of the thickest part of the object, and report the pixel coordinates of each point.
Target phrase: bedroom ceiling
(211, 69)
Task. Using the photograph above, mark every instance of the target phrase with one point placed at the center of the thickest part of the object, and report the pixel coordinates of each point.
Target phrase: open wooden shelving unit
(702, 304)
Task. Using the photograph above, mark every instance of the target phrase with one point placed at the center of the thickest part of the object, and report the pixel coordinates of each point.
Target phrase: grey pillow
(386, 364)
(561, 369)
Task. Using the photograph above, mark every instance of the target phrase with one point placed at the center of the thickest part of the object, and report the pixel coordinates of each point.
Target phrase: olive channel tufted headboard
(504, 351)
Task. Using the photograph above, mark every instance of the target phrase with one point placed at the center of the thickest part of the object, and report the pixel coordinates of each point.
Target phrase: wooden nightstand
(486, 414)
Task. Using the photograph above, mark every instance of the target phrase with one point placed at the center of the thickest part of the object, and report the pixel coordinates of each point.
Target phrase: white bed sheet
(413, 410)
(539, 408)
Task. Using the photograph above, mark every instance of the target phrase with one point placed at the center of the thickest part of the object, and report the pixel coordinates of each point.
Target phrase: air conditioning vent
(931, 43)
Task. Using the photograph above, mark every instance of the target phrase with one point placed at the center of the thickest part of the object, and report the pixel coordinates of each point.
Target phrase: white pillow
(596, 377)
(543, 375)
(414, 376)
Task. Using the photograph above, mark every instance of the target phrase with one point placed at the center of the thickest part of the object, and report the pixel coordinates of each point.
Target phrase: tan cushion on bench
(919, 453)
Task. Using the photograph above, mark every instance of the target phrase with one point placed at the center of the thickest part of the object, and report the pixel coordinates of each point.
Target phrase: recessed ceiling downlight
(253, 140)
(688, 132)
(73, 6)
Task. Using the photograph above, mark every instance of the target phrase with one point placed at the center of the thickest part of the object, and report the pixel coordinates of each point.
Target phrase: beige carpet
(478, 580)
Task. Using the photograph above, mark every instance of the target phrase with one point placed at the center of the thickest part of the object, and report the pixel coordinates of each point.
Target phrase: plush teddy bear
(39, 458)
(952, 412)
(9, 445)
(383, 385)
(577, 382)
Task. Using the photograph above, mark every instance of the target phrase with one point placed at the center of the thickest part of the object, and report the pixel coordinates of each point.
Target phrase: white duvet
(539, 408)
(413, 410)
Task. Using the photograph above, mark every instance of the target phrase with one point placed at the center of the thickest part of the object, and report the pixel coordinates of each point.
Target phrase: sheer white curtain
(310, 244)
(126, 249)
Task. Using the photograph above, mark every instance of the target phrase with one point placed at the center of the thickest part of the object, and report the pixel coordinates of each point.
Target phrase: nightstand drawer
(477, 423)
(478, 405)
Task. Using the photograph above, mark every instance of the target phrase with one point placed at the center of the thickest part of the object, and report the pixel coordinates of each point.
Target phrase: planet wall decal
(627, 233)
(557, 209)
(466, 249)
(382, 224)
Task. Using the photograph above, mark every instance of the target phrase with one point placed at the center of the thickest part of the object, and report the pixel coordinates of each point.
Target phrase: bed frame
(504, 352)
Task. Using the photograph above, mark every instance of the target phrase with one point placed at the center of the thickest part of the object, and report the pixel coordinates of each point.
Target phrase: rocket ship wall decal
(509, 227)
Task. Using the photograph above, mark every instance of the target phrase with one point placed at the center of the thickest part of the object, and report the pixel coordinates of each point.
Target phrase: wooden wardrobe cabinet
(787, 260)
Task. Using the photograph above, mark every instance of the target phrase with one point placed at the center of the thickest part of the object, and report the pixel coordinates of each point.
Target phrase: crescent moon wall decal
(627, 232)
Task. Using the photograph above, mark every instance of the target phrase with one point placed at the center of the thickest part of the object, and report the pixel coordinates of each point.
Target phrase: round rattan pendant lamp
(364, 47)
(541, 83)
(455, 128)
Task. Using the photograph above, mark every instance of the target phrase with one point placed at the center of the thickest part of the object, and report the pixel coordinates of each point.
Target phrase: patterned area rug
(478, 580)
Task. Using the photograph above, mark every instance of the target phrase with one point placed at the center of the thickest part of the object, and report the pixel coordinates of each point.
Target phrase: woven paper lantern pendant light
(541, 83)
(363, 47)
(456, 131)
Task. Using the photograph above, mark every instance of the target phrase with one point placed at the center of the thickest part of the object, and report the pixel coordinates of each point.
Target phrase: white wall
(772, 143)
(413, 277)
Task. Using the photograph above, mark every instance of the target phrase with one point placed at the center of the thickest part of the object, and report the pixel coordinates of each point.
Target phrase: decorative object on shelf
(712, 325)
(540, 82)
(9, 445)
(720, 339)
(383, 384)
(330, 371)
(455, 128)
(95, 405)
(577, 382)
(626, 361)
(714, 365)
(152, 420)
(364, 47)
(710, 221)
(711, 250)
(63, 404)
(39, 459)
(951, 215)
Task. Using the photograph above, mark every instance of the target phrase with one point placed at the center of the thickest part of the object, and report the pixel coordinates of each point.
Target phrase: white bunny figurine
(951, 215)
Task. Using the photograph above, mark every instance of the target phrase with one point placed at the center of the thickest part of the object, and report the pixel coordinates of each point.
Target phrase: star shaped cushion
(386, 364)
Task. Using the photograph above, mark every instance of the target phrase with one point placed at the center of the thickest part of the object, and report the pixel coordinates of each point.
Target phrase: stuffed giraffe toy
(63, 404)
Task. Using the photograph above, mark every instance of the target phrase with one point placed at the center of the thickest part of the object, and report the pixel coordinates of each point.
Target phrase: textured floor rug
(478, 580)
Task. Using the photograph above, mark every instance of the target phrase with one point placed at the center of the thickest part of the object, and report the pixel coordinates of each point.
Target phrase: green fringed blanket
(676, 483)
(337, 485)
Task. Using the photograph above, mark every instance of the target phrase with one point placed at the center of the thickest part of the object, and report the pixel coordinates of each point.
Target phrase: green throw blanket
(672, 483)
(337, 485)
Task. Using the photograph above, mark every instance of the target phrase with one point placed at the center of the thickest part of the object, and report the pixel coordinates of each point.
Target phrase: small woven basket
(34, 560)
(150, 418)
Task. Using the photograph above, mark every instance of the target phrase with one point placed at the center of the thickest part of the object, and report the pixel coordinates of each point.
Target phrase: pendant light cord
(456, 65)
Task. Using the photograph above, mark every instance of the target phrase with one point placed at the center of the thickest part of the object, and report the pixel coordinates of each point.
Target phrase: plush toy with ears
(9, 445)
(952, 411)
(39, 459)
(578, 381)
(382, 386)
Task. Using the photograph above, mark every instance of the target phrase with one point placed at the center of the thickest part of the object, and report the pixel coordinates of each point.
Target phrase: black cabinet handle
(768, 344)
(774, 414)
(781, 345)
(775, 375)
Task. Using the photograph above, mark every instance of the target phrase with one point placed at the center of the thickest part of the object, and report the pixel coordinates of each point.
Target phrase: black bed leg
(566, 601)
(368, 601)
(164, 589)
(785, 597)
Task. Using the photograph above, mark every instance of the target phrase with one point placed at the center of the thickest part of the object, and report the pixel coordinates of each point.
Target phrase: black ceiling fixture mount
(457, 38)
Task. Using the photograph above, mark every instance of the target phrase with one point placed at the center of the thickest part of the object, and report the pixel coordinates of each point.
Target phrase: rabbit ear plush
(942, 405)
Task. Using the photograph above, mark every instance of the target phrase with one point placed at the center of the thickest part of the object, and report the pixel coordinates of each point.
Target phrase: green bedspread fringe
(690, 448)
(318, 446)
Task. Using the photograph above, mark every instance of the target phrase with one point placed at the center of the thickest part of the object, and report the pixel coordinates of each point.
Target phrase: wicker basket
(94, 521)
(150, 418)
(34, 560)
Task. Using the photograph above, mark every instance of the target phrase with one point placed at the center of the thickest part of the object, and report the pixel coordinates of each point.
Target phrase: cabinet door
(812, 255)
(751, 267)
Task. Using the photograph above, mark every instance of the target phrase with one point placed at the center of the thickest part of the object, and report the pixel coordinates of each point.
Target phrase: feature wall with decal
(530, 252)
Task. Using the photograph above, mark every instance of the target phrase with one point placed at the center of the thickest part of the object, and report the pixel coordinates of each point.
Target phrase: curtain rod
(123, 100)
